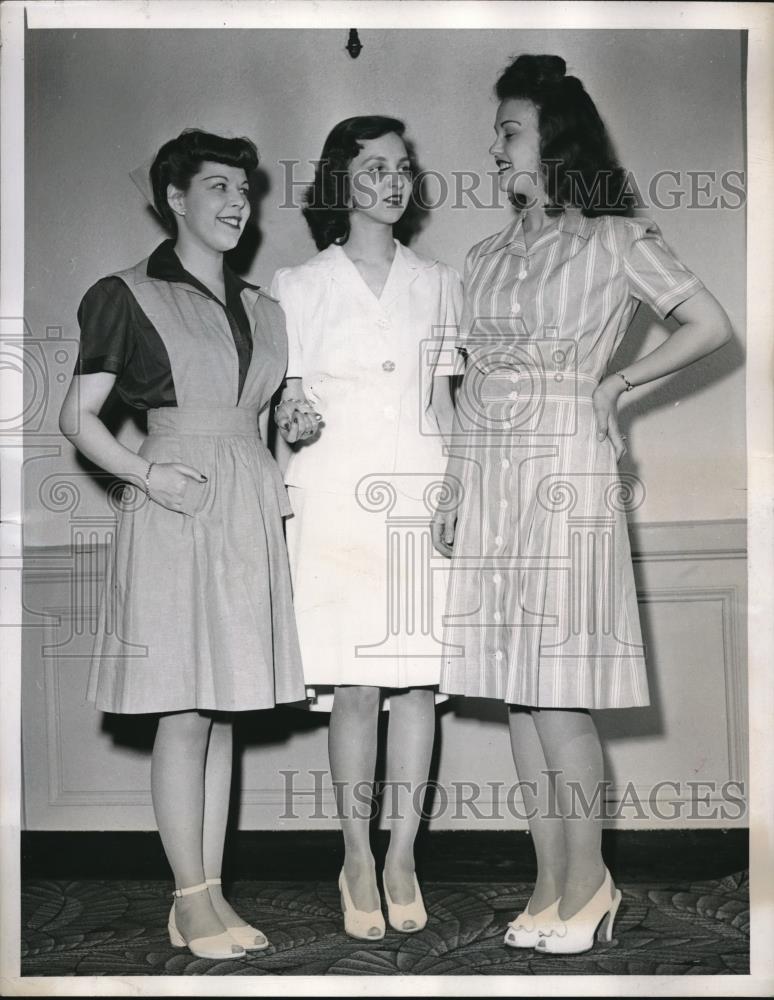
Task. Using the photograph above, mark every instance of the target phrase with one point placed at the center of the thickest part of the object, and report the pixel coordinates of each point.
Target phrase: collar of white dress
(334, 254)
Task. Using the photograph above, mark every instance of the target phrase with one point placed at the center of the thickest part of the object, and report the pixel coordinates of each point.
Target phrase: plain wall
(99, 103)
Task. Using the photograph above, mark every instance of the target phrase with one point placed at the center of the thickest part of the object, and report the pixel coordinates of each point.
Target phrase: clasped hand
(297, 420)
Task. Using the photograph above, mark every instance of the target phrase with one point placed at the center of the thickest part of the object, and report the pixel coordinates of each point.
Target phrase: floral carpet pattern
(97, 928)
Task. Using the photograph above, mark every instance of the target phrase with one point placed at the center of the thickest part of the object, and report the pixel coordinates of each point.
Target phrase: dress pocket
(163, 448)
(194, 497)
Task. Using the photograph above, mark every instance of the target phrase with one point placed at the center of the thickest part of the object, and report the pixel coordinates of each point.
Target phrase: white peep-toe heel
(250, 938)
(399, 914)
(358, 923)
(525, 929)
(576, 934)
(215, 946)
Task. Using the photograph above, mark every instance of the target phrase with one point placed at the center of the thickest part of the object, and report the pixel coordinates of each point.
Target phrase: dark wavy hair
(580, 167)
(327, 198)
(180, 159)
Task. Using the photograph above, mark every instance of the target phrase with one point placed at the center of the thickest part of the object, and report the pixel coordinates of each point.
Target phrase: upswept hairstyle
(326, 203)
(579, 165)
(180, 159)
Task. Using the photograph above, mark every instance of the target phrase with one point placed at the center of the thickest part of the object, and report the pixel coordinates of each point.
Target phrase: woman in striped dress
(542, 610)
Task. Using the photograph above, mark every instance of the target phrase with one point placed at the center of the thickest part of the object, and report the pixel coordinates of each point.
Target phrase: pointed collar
(335, 256)
(571, 222)
(165, 265)
(406, 267)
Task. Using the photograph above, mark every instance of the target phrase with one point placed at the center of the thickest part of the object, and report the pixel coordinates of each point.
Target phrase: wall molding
(725, 538)
(678, 563)
(733, 670)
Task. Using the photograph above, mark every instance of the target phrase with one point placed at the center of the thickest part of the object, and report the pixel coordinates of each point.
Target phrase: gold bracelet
(629, 385)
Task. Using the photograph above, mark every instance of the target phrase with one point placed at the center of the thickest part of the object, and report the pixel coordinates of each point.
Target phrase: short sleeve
(106, 319)
(449, 361)
(466, 320)
(654, 273)
(281, 292)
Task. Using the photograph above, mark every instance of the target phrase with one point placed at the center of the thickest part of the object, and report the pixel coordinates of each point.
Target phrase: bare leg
(177, 787)
(352, 751)
(410, 737)
(571, 745)
(546, 826)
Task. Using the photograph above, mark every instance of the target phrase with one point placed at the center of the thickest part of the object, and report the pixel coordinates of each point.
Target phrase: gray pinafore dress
(196, 611)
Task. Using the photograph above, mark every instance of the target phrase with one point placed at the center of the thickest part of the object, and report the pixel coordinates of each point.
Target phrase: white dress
(369, 590)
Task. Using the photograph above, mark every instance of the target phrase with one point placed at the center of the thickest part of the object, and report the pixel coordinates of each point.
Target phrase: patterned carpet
(119, 928)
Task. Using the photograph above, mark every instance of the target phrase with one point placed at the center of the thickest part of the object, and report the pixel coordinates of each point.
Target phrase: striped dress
(541, 608)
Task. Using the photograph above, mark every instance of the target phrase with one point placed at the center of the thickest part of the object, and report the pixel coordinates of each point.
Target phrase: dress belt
(210, 421)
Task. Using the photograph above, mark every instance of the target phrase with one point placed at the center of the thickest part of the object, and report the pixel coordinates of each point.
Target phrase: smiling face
(380, 178)
(214, 209)
(516, 149)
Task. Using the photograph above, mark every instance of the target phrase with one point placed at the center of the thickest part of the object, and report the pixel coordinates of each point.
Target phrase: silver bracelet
(629, 385)
(147, 480)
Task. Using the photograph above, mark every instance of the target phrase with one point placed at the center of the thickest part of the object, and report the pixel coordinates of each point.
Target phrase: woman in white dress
(366, 319)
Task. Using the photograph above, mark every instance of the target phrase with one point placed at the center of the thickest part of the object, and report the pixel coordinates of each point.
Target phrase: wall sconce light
(354, 45)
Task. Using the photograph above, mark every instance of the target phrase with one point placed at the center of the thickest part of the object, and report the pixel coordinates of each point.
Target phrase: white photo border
(758, 20)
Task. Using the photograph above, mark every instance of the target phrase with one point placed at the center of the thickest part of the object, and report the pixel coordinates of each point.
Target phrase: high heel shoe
(217, 946)
(525, 929)
(357, 923)
(250, 938)
(399, 914)
(576, 934)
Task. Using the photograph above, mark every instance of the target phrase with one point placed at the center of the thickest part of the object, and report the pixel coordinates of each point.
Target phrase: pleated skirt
(196, 610)
(542, 607)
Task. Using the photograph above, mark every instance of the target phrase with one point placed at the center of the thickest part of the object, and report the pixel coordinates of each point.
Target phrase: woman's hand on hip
(297, 420)
(605, 401)
(167, 482)
(444, 528)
